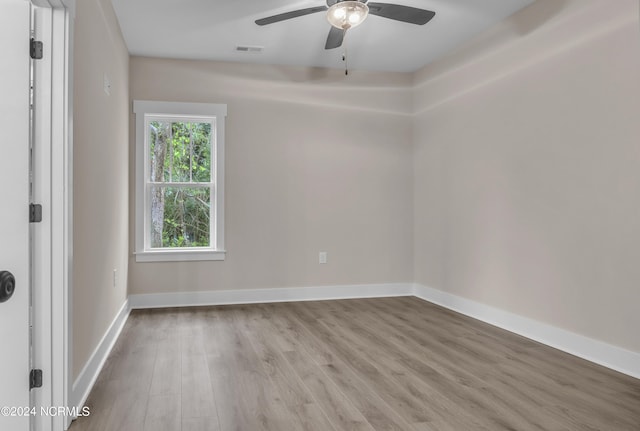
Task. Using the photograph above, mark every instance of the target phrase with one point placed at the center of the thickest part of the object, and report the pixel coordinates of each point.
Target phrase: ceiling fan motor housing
(347, 14)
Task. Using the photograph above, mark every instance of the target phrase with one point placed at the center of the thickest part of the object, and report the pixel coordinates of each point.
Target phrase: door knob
(7, 285)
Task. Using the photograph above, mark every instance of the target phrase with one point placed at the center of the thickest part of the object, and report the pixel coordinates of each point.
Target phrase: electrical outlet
(115, 278)
(322, 258)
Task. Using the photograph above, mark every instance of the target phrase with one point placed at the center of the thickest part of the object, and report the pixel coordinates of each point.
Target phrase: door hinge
(35, 213)
(36, 49)
(35, 379)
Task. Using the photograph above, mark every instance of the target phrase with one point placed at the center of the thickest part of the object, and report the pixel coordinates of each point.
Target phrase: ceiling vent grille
(246, 48)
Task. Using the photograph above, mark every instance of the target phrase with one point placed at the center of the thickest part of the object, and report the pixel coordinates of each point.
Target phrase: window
(179, 181)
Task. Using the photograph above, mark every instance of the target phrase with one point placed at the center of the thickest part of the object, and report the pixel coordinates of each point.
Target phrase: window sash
(212, 120)
(212, 215)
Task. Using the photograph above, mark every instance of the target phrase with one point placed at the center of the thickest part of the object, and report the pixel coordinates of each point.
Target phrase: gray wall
(314, 162)
(527, 161)
(100, 176)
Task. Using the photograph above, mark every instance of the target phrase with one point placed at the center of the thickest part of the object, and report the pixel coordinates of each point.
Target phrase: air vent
(246, 48)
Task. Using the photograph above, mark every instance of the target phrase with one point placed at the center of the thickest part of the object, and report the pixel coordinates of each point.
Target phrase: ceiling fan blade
(335, 38)
(402, 13)
(289, 15)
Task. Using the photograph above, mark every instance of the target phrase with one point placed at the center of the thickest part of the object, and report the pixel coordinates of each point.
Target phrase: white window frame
(144, 109)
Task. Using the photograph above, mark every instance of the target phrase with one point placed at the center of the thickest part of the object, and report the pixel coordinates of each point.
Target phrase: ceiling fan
(345, 14)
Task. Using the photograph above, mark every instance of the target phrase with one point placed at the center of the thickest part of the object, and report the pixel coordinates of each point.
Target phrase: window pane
(180, 217)
(179, 151)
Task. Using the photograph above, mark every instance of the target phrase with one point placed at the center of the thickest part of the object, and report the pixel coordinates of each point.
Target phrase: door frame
(53, 187)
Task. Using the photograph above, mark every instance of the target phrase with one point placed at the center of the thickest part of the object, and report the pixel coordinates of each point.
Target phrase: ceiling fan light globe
(347, 14)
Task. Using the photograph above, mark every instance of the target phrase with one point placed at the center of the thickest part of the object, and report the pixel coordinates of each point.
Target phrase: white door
(14, 214)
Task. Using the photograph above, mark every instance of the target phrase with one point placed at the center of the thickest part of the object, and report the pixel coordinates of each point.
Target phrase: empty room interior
(320, 215)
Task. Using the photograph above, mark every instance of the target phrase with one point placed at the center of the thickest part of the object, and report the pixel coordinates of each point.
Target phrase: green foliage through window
(180, 176)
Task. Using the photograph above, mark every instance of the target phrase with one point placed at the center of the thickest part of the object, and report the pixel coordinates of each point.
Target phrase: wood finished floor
(357, 365)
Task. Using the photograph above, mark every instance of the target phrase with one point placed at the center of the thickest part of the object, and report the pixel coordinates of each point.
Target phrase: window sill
(179, 255)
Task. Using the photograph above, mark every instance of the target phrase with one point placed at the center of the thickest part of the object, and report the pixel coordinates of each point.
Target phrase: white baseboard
(85, 381)
(252, 296)
(604, 354)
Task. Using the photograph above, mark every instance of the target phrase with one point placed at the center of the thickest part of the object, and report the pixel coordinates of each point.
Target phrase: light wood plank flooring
(361, 365)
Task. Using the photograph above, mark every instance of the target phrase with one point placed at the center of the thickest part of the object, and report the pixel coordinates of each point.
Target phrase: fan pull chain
(346, 63)
(344, 55)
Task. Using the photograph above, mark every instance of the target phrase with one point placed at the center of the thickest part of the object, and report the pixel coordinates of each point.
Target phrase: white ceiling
(212, 29)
